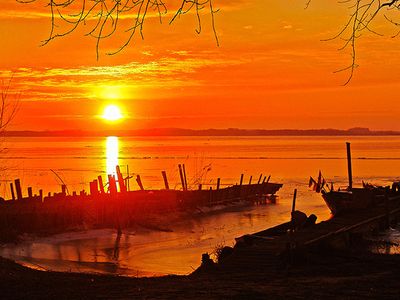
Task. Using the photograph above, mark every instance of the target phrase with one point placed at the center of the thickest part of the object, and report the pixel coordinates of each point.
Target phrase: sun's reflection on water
(112, 149)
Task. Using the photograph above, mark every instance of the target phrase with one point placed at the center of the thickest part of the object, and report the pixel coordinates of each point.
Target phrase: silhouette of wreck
(113, 205)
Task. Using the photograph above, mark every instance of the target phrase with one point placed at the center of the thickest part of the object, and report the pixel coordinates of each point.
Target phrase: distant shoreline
(358, 131)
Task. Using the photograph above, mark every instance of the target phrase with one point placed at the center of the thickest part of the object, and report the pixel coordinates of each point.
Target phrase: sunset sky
(271, 71)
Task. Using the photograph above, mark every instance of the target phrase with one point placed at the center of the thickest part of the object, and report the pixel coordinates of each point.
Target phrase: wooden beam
(164, 175)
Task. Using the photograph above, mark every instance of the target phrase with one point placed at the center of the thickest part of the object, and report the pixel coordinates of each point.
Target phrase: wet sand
(344, 275)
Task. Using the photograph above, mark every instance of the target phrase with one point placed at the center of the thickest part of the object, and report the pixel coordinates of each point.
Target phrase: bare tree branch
(363, 13)
(104, 17)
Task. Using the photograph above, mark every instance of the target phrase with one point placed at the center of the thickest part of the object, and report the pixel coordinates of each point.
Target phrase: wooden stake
(294, 200)
(30, 192)
(12, 191)
(139, 182)
(121, 183)
(218, 183)
(259, 179)
(349, 169)
(18, 189)
(184, 177)
(181, 176)
(112, 185)
(101, 185)
(241, 179)
(164, 175)
(251, 177)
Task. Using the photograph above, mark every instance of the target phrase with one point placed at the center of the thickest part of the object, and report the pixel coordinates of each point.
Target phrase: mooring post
(349, 170)
(251, 178)
(269, 177)
(12, 191)
(18, 189)
(241, 179)
(259, 179)
(218, 183)
(291, 215)
(164, 175)
(181, 176)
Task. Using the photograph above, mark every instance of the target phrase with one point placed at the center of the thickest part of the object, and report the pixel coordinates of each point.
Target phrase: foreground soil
(339, 275)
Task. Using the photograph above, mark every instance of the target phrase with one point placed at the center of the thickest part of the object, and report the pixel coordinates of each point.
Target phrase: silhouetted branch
(363, 13)
(103, 17)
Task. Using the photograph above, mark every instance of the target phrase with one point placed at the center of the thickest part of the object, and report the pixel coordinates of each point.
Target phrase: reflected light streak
(112, 149)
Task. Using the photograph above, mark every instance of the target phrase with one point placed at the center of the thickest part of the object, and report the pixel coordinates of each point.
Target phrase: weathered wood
(294, 200)
(64, 189)
(101, 185)
(164, 175)
(30, 192)
(241, 179)
(200, 187)
(139, 182)
(112, 184)
(184, 176)
(181, 177)
(349, 167)
(18, 189)
(121, 182)
(12, 191)
(259, 179)
(218, 183)
(251, 178)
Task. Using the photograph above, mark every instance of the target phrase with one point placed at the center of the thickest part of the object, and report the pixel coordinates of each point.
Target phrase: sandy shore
(340, 275)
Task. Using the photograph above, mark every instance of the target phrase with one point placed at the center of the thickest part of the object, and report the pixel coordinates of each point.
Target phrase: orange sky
(271, 71)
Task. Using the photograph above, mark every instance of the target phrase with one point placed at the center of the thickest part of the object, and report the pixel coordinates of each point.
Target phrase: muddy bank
(350, 275)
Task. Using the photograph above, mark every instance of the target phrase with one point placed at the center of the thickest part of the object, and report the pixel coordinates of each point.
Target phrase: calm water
(290, 160)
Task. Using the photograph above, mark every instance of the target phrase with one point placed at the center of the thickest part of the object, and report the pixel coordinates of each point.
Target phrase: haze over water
(177, 249)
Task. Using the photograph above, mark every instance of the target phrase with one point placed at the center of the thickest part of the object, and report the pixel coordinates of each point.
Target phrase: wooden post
(269, 177)
(181, 176)
(30, 192)
(349, 169)
(218, 183)
(121, 183)
(241, 179)
(41, 194)
(64, 189)
(184, 176)
(265, 178)
(164, 175)
(259, 179)
(139, 182)
(251, 177)
(18, 189)
(127, 178)
(294, 200)
(200, 187)
(12, 191)
(93, 187)
(112, 185)
(101, 185)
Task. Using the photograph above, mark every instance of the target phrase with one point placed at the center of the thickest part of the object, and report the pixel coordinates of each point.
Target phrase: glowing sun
(112, 113)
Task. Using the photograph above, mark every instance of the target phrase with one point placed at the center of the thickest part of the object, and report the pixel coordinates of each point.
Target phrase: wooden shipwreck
(114, 205)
